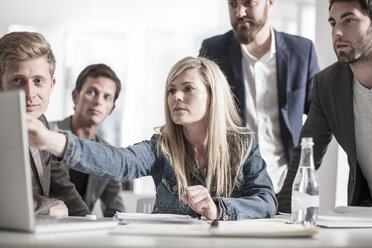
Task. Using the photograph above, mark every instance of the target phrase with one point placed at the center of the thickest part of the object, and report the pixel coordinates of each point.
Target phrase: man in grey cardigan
(341, 102)
(94, 96)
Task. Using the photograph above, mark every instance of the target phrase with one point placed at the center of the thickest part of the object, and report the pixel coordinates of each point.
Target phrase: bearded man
(271, 74)
(342, 100)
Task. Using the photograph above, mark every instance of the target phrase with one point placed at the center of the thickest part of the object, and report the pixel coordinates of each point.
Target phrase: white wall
(140, 40)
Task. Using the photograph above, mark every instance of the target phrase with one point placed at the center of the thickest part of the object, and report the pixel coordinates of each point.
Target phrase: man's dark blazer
(331, 113)
(296, 66)
(106, 190)
(51, 183)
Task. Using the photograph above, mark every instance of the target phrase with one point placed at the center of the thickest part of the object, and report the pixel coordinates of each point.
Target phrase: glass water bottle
(305, 189)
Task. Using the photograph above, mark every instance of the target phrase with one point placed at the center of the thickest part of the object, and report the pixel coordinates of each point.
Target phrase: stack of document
(240, 228)
(347, 217)
(142, 218)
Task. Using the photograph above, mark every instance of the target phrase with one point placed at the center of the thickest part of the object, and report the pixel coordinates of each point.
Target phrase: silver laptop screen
(16, 202)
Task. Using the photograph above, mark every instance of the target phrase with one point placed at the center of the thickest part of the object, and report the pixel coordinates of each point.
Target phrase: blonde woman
(202, 161)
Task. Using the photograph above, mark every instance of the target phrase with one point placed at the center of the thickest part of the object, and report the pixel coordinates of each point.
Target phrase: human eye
(249, 3)
(90, 92)
(349, 20)
(332, 23)
(171, 91)
(232, 4)
(108, 98)
(189, 89)
(38, 81)
(17, 81)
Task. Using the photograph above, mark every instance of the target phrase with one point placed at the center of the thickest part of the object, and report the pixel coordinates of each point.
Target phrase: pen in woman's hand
(214, 224)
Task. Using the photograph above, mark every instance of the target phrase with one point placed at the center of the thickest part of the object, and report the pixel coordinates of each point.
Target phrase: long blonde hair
(225, 148)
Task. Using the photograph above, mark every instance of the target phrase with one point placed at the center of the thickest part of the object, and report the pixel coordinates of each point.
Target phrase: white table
(324, 238)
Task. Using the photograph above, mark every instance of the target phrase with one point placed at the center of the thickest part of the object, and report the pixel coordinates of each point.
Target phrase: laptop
(16, 201)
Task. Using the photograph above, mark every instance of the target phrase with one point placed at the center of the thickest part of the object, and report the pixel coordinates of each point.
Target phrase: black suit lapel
(282, 72)
(282, 58)
(343, 89)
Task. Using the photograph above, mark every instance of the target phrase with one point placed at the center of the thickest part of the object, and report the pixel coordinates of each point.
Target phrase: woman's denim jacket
(253, 195)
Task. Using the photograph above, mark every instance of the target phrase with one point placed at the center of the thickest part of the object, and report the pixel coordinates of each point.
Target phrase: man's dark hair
(365, 4)
(95, 71)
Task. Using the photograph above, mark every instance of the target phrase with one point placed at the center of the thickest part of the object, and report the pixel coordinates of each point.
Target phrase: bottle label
(303, 201)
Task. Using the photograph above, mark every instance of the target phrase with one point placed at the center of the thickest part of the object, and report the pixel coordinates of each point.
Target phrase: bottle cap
(91, 217)
(307, 141)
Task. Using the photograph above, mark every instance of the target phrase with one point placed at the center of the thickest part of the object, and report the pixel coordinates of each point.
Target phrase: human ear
(75, 96)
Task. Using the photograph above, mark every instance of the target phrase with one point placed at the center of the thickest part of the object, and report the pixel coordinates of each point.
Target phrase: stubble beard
(244, 34)
(361, 50)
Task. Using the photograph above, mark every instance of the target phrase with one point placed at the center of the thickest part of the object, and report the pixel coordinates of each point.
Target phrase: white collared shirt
(263, 110)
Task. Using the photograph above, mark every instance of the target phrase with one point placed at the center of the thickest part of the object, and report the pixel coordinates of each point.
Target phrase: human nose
(240, 10)
(29, 89)
(178, 96)
(99, 99)
(337, 31)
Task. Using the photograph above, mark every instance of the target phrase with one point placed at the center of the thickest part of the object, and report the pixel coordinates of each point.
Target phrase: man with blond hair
(27, 63)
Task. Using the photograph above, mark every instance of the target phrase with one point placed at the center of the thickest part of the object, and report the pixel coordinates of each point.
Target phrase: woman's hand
(199, 200)
(37, 133)
(42, 138)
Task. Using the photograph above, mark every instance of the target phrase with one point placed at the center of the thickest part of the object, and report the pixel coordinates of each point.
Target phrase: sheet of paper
(243, 228)
(344, 216)
(143, 218)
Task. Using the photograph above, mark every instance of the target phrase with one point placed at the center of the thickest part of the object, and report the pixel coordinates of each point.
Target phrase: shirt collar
(270, 54)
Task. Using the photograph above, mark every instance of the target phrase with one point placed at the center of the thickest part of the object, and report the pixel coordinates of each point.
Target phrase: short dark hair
(365, 4)
(95, 71)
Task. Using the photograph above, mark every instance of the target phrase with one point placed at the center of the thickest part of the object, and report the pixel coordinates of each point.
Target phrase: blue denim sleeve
(109, 162)
(258, 200)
